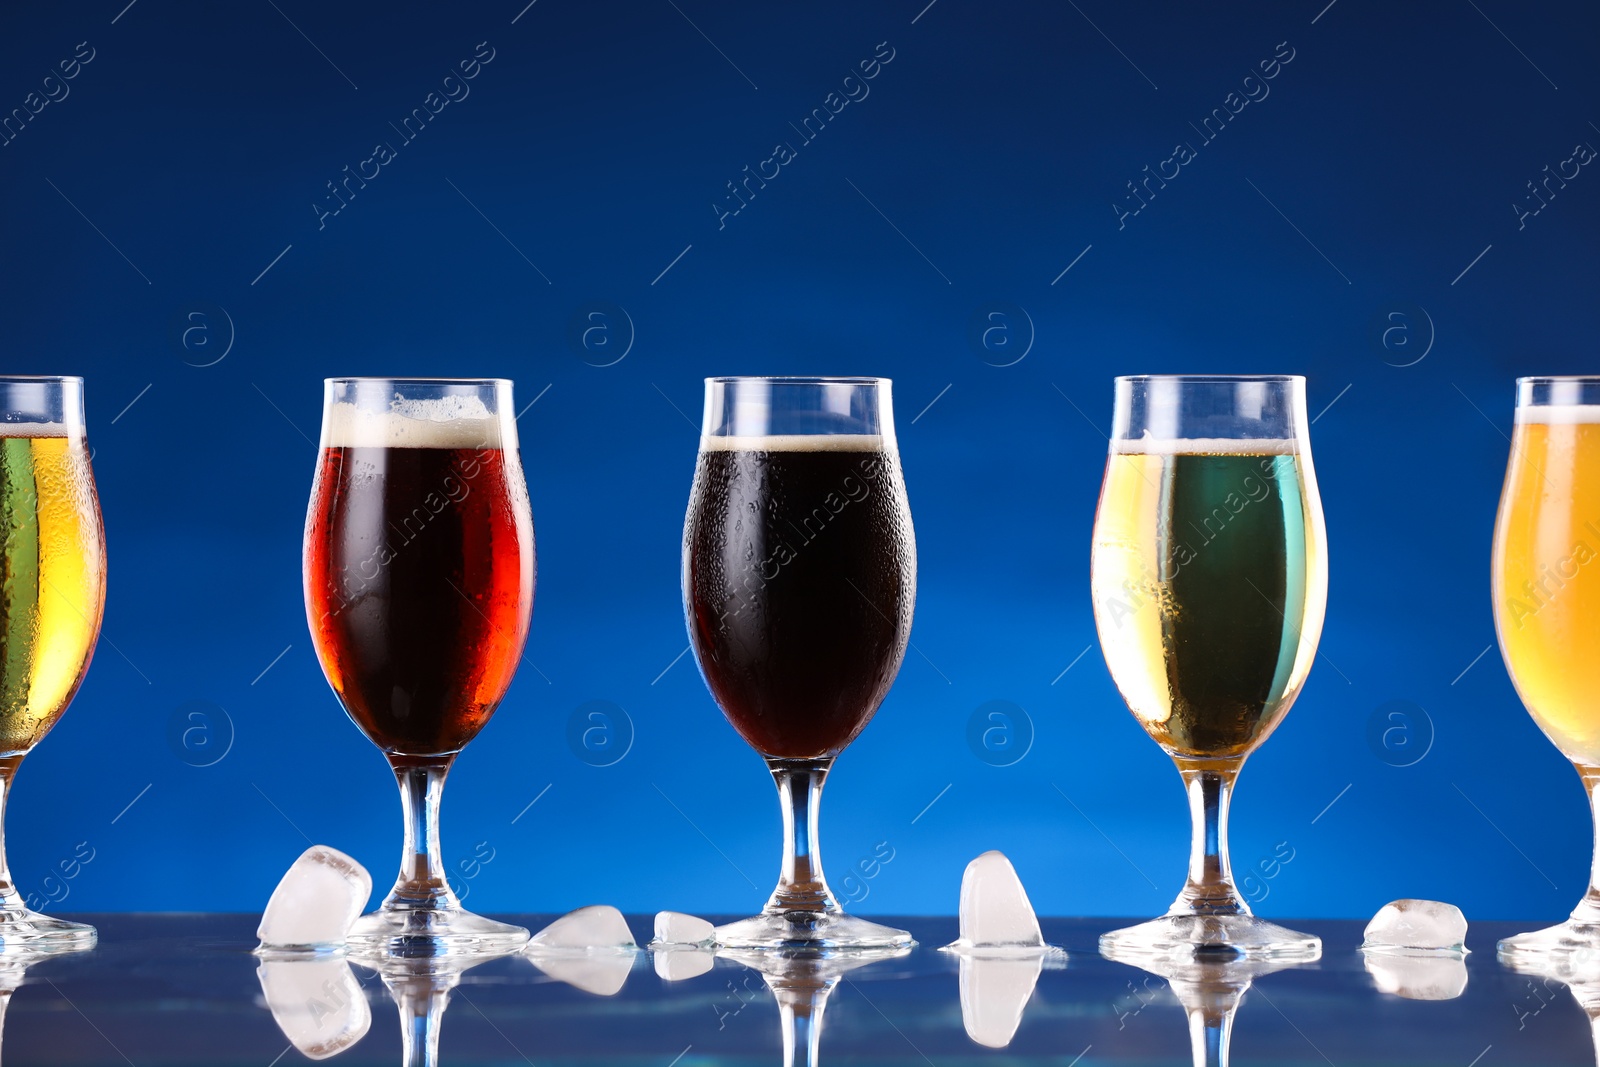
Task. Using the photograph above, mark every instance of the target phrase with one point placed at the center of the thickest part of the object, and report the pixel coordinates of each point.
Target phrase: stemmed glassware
(1209, 581)
(1547, 607)
(419, 576)
(799, 579)
(52, 595)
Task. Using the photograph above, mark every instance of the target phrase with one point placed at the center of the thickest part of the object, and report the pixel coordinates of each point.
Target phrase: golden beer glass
(1546, 577)
(52, 594)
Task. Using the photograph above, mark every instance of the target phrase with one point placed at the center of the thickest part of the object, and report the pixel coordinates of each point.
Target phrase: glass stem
(800, 1021)
(421, 1012)
(1588, 909)
(1210, 889)
(10, 899)
(422, 882)
(1208, 1038)
(801, 885)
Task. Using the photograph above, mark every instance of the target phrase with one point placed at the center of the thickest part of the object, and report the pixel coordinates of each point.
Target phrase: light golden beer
(1209, 581)
(1547, 573)
(52, 582)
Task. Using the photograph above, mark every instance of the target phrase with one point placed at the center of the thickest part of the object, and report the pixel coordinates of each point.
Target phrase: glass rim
(368, 379)
(1208, 379)
(797, 379)
(62, 378)
(1553, 379)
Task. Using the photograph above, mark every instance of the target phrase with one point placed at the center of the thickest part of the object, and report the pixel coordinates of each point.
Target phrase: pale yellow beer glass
(1546, 577)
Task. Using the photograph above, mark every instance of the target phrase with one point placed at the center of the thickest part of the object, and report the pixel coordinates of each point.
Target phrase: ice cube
(1427, 925)
(317, 1003)
(318, 898)
(993, 994)
(591, 949)
(675, 963)
(598, 927)
(995, 912)
(676, 928)
(1418, 977)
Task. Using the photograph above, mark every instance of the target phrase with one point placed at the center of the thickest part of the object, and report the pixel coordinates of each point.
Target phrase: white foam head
(1207, 446)
(1559, 414)
(443, 422)
(795, 442)
(39, 429)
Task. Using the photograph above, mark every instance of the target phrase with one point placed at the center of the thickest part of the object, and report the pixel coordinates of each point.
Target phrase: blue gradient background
(996, 141)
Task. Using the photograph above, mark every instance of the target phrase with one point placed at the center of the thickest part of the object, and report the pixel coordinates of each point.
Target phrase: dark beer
(419, 572)
(799, 578)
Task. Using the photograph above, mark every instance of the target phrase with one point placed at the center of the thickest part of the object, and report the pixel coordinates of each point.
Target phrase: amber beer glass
(1209, 578)
(1546, 578)
(799, 579)
(419, 575)
(52, 593)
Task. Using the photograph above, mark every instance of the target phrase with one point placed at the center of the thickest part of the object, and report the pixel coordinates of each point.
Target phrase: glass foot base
(29, 931)
(425, 933)
(1570, 946)
(1210, 937)
(811, 931)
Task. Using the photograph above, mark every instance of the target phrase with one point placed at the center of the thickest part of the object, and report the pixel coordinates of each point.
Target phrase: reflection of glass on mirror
(1578, 970)
(421, 991)
(801, 982)
(1210, 993)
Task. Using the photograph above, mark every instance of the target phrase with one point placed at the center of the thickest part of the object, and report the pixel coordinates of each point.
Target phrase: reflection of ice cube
(1418, 977)
(675, 964)
(320, 895)
(676, 928)
(993, 994)
(317, 1003)
(1417, 924)
(995, 912)
(591, 949)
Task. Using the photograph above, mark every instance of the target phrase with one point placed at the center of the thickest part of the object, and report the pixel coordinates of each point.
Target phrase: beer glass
(1546, 577)
(1209, 580)
(799, 579)
(52, 595)
(419, 573)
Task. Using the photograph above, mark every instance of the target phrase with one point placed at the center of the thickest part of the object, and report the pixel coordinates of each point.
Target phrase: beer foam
(38, 429)
(1207, 446)
(796, 442)
(445, 422)
(1559, 414)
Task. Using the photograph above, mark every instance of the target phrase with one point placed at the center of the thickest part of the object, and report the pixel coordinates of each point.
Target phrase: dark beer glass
(419, 574)
(799, 579)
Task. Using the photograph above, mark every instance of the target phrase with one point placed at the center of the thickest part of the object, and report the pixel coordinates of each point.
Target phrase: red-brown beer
(419, 576)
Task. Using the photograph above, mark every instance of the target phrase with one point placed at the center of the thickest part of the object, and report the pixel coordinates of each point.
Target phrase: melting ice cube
(591, 949)
(1425, 925)
(676, 928)
(598, 927)
(1002, 950)
(995, 912)
(317, 1003)
(320, 895)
